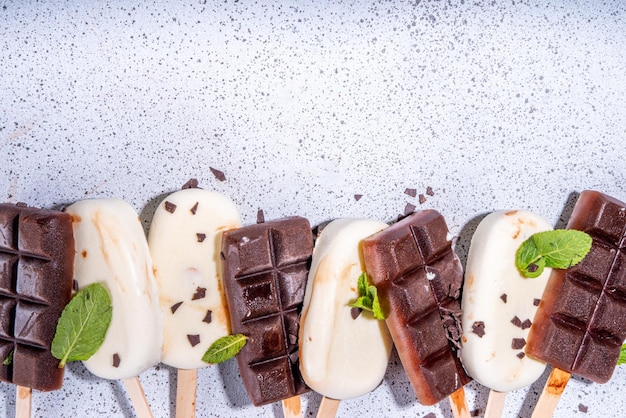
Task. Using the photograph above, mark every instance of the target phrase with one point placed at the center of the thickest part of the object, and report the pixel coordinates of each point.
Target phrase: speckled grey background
(501, 104)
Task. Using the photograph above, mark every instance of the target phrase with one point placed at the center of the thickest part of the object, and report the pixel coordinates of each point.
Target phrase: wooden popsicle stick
(23, 402)
(328, 408)
(292, 407)
(495, 404)
(138, 397)
(552, 391)
(186, 393)
(460, 409)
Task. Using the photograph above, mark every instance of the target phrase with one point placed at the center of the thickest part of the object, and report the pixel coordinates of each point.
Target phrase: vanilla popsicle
(343, 352)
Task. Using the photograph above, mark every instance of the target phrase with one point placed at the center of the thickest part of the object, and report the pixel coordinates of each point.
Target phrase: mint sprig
(83, 325)
(622, 355)
(8, 359)
(561, 249)
(224, 348)
(368, 298)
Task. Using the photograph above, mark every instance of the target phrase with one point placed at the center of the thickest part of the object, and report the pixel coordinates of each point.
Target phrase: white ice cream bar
(341, 357)
(185, 242)
(111, 249)
(499, 303)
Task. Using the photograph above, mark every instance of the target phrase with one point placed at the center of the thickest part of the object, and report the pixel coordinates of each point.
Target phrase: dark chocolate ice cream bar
(581, 321)
(265, 268)
(36, 270)
(419, 280)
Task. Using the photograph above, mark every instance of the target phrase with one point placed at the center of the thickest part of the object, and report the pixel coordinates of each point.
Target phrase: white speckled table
(302, 105)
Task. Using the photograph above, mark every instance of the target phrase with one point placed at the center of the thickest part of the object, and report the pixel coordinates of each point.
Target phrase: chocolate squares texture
(36, 269)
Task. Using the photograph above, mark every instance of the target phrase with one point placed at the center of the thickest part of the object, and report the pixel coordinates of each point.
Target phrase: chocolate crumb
(526, 324)
(521, 355)
(518, 343)
(422, 199)
(516, 321)
(429, 191)
(293, 339)
(200, 293)
(293, 357)
(355, 312)
(191, 184)
(503, 297)
(409, 208)
(260, 216)
(358, 197)
(476, 412)
(208, 317)
(430, 415)
(583, 408)
(175, 307)
(116, 360)
(201, 237)
(410, 192)
(532, 267)
(194, 339)
(75, 285)
(219, 175)
(454, 291)
(21, 205)
(170, 207)
(536, 301)
(194, 209)
(478, 328)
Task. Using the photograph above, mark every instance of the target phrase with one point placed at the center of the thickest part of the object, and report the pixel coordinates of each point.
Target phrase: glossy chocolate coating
(581, 321)
(36, 269)
(265, 268)
(419, 278)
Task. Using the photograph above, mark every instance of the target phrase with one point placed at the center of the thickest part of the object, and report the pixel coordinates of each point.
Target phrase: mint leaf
(376, 309)
(362, 284)
(9, 359)
(83, 325)
(622, 355)
(561, 248)
(224, 348)
(368, 297)
(363, 302)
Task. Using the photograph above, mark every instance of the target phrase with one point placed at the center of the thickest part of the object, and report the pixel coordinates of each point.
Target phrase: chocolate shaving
(518, 343)
(422, 199)
(201, 237)
(358, 197)
(260, 216)
(75, 285)
(526, 324)
(478, 328)
(454, 291)
(521, 355)
(451, 321)
(200, 293)
(516, 321)
(219, 175)
(536, 301)
(191, 184)
(293, 357)
(503, 297)
(194, 209)
(430, 415)
(409, 208)
(293, 339)
(170, 207)
(429, 191)
(116, 360)
(583, 408)
(355, 312)
(410, 192)
(175, 307)
(208, 317)
(194, 339)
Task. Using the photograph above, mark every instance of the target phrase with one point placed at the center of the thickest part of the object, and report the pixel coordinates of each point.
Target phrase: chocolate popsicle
(36, 270)
(265, 268)
(419, 280)
(581, 321)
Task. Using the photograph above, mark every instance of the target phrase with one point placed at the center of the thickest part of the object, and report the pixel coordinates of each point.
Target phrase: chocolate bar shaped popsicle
(419, 280)
(581, 321)
(265, 268)
(36, 270)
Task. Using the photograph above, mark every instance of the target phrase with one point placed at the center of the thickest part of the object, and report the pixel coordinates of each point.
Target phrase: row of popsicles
(201, 276)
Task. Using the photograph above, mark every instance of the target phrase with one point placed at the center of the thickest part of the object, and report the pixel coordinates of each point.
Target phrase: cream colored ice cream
(185, 241)
(499, 303)
(341, 356)
(111, 249)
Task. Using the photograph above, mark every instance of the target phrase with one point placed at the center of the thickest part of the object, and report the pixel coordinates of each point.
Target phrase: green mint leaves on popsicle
(622, 355)
(224, 348)
(561, 249)
(83, 325)
(9, 359)
(368, 298)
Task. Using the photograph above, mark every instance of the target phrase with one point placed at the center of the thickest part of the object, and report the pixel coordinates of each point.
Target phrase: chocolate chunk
(521, 355)
(503, 297)
(191, 184)
(208, 316)
(358, 197)
(429, 191)
(526, 324)
(536, 302)
(455, 291)
(583, 408)
(410, 192)
(201, 237)
(170, 207)
(422, 199)
(478, 328)
(175, 306)
(355, 312)
(219, 175)
(516, 321)
(260, 216)
(194, 209)
(200, 293)
(194, 339)
(409, 208)
(116, 360)
(518, 343)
